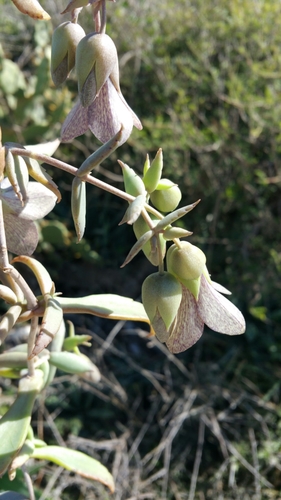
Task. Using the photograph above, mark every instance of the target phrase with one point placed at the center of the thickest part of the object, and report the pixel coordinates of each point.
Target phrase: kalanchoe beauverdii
(201, 303)
(101, 106)
(211, 308)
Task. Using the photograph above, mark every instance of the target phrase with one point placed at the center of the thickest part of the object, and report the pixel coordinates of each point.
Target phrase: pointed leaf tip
(78, 462)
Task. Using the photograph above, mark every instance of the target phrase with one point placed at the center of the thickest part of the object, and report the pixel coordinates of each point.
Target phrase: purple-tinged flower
(21, 232)
(101, 106)
(104, 117)
(210, 308)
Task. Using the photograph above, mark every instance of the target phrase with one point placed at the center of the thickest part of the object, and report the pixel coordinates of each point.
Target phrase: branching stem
(61, 165)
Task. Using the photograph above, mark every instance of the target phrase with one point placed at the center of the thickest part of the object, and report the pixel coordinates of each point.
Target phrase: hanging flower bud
(102, 107)
(186, 262)
(96, 60)
(64, 42)
(167, 196)
(153, 175)
(133, 183)
(161, 298)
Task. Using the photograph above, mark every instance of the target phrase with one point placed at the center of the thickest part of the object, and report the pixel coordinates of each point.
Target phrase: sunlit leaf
(15, 423)
(76, 462)
(106, 306)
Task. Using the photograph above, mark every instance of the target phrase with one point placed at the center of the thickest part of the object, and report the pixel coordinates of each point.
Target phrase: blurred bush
(205, 79)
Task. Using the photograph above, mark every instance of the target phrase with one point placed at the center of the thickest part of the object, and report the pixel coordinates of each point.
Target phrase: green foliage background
(205, 79)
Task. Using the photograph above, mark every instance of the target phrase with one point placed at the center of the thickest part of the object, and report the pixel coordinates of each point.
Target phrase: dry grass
(168, 427)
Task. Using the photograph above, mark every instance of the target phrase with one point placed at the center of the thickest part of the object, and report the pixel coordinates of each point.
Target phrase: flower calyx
(161, 298)
(96, 61)
(64, 43)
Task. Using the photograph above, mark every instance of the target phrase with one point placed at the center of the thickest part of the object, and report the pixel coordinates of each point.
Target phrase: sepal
(96, 60)
(161, 298)
(64, 43)
(186, 262)
(166, 196)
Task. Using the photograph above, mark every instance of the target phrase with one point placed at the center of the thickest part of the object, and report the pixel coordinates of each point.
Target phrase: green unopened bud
(132, 182)
(161, 298)
(96, 60)
(153, 175)
(64, 42)
(186, 262)
(149, 249)
(167, 196)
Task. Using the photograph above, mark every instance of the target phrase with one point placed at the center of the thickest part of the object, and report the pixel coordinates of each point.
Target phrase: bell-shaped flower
(211, 308)
(202, 302)
(101, 106)
(21, 232)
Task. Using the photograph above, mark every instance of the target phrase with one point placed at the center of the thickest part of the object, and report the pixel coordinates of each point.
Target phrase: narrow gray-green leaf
(15, 423)
(76, 461)
(78, 206)
(105, 306)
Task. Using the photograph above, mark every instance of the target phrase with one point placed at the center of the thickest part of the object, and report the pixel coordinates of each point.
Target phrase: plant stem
(61, 165)
(4, 260)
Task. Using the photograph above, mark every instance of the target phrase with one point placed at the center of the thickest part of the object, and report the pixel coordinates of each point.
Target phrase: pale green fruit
(187, 262)
(161, 298)
(167, 198)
